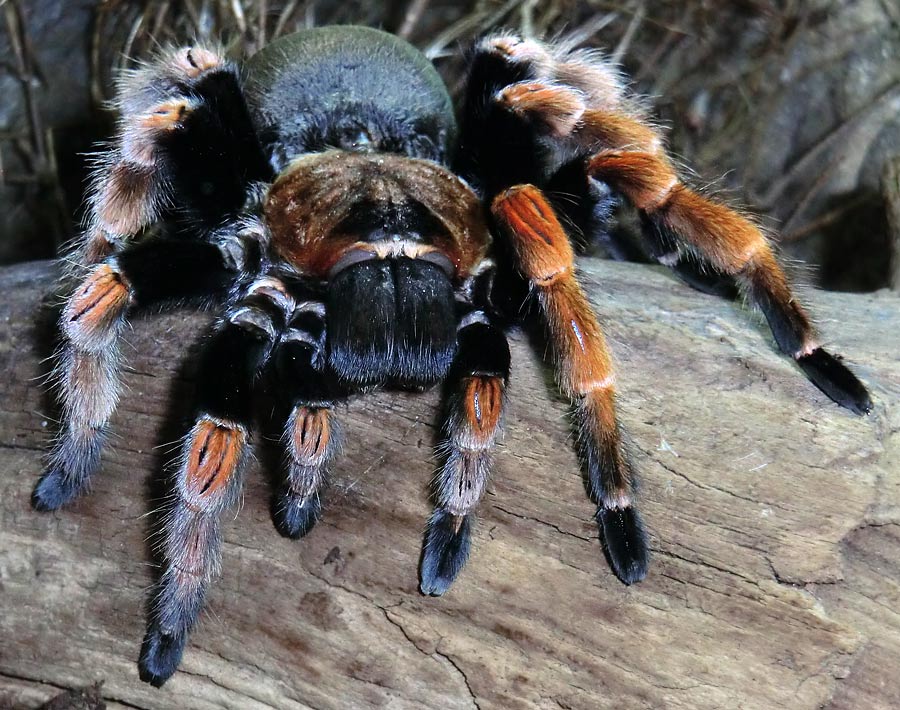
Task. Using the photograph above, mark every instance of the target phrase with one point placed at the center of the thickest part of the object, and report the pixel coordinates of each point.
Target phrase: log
(774, 518)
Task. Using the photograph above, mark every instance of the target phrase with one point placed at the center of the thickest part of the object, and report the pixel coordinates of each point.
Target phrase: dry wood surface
(774, 519)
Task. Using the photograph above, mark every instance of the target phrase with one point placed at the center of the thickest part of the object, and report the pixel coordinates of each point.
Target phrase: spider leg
(143, 275)
(184, 130)
(478, 376)
(734, 246)
(561, 113)
(584, 370)
(185, 147)
(561, 106)
(311, 435)
(691, 268)
(208, 480)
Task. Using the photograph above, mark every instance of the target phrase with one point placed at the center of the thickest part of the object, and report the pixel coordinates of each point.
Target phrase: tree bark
(890, 190)
(774, 518)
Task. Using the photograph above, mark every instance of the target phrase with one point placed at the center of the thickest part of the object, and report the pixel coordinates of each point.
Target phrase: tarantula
(358, 238)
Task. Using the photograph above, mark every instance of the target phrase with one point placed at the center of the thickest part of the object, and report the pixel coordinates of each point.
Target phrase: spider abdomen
(348, 87)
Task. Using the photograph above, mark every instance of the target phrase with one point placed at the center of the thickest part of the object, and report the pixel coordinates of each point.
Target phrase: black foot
(53, 491)
(625, 543)
(294, 518)
(447, 543)
(831, 376)
(160, 656)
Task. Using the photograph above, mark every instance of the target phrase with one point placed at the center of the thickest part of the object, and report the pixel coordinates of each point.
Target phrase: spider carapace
(354, 236)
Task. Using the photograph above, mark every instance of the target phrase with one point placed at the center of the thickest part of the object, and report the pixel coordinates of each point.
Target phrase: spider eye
(207, 188)
(360, 140)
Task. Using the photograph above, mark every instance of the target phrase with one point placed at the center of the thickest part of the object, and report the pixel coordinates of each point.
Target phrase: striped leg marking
(476, 406)
(584, 370)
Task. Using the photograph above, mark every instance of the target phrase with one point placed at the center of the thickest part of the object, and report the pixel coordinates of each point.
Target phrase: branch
(773, 517)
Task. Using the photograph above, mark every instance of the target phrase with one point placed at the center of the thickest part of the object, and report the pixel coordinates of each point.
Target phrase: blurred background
(790, 108)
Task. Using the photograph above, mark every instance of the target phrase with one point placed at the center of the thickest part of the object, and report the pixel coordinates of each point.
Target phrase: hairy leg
(186, 152)
(311, 435)
(208, 479)
(565, 105)
(584, 370)
(89, 360)
(477, 392)
(734, 246)
(184, 141)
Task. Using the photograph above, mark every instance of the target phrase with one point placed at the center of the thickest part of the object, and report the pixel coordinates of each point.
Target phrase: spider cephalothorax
(355, 237)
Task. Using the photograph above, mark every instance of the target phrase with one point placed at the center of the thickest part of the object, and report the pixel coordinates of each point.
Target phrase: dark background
(791, 109)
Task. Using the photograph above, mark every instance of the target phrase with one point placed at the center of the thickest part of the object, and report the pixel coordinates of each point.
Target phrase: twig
(132, 36)
(663, 24)
(285, 15)
(823, 220)
(578, 37)
(161, 13)
(479, 19)
(263, 12)
(37, 150)
(526, 13)
(839, 134)
(193, 14)
(27, 76)
(648, 64)
(413, 15)
(823, 178)
(625, 42)
(238, 11)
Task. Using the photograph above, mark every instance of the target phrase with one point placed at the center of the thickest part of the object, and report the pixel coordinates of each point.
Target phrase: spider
(358, 238)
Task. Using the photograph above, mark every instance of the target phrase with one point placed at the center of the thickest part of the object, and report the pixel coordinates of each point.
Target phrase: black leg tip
(831, 376)
(293, 517)
(160, 656)
(53, 491)
(446, 549)
(625, 543)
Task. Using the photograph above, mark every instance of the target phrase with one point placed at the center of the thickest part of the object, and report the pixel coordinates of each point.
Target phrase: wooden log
(774, 518)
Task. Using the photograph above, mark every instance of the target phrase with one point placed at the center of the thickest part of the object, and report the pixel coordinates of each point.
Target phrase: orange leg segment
(94, 313)
(127, 191)
(727, 239)
(311, 440)
(583, 367)
(481, 369)
(214, 453)
(735, 246)
(556, 109)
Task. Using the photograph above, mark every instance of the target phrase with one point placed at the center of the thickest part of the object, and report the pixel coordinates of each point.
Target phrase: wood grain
(774, 519)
